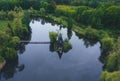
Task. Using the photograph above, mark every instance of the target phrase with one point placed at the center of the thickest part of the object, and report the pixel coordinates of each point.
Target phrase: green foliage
(66, 10)
(108, 76)
(91, 3)
(107, 44)
(12, 27)
(102, 15)
(10, 4)
(87, 16)
(20, 24)
(4, 24)
(91, 33)
(113, 59)
(112, 17)
(63, 1)
(53, 36)
(2, 15)
(42, 11)
(4, 38)
(67, 46)
(102, 34)
(11, 15)
(14, 41)
(96, 20)
(70, 23)
(51, 7)
(10, 54)
(17, 27)
(26, 18)
(112, 62)
(79, 12)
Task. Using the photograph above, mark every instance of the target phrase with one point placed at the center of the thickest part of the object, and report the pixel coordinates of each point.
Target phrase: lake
(40, 62)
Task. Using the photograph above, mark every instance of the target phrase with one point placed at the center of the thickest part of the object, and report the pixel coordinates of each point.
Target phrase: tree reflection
(11, 68)
(69, 34)
(87, 42)
(58, 44)
(21, 46)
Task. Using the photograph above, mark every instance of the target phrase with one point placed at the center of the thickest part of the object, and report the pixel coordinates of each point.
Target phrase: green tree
(4, 38)
(51, 7)
(107, 44)
(79, 12)
(67, 45)
(87, 16)
(108, 76)
(53, 36)
(10, 54)
(112, 17)
(70, 23)
(42, 11)
(3, 15)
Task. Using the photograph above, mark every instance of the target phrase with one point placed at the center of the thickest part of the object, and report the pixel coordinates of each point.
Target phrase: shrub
(113, 59)
(107, 44)
(10, 54)
(53, 36)
(67, 46)
(108, 76)
(14, 41)
(112, 62)
(91, 33)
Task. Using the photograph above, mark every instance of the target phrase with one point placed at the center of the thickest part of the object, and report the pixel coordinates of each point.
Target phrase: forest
(91, 19)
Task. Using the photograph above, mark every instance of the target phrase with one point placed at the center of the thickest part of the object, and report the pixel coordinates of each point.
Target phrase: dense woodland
(91, 19)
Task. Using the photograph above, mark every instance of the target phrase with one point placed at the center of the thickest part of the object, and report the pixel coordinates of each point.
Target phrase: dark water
(37, 63)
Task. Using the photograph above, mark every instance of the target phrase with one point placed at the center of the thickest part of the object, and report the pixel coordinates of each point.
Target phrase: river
(38, 62)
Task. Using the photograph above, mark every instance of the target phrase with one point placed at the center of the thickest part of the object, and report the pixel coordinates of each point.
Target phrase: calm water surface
(37, 63)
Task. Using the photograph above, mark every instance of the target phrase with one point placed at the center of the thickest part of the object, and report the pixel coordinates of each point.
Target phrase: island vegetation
(91, 19)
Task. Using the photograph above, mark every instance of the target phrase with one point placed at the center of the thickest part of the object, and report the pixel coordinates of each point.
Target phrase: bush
(112, 17)
(112, 62)
(67, 46)
(107, 44)
(113, 59)
(10, 54)
(102, 34)
(91, 33)
(87, 16)
(53, 36)
(3, 15)
(14, 41)
(107, 76)
(66, 10)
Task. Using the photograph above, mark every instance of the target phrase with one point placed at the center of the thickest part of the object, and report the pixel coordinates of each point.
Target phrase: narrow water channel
(39, 63)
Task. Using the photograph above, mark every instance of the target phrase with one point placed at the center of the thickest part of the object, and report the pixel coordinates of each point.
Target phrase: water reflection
(69, 34)
(21, 46)
(11, 68)
(59, 45)
(41, 61)
(87, 42)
